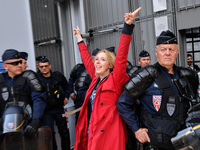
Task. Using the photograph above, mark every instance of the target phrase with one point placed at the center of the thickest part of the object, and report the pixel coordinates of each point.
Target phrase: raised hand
(130, 17)
(77, 33)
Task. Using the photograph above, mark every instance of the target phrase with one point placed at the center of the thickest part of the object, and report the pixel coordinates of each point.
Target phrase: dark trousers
(55, 114)
(148, 146)
(132, 142)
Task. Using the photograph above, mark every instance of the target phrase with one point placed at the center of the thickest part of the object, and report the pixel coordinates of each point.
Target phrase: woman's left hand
(130, 17)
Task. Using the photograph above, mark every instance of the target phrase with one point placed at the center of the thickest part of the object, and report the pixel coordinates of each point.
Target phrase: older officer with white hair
(164, 109)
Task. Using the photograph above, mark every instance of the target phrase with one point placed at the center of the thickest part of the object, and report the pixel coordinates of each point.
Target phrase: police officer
(57, 96)
(162, 89)
(79, 82)
(37, 63)
(24, 57)
(144, 58)
(18, 86)
(143, 61)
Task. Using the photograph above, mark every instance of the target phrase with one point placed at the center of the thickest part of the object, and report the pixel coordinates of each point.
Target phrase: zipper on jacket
(12, 93)
(48, 91)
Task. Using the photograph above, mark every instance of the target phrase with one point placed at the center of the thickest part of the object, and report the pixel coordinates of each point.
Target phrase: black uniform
(57, 90)
(79, 82)
(26, 88)
(154, 85)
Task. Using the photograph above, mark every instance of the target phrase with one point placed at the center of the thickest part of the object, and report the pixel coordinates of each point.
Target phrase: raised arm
(85, 55)
(122, 53)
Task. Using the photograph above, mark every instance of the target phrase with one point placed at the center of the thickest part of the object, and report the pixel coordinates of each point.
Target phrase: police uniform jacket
(159, 106)
(151, 100)
(74, 75)
(56, 79)
(38, 98)
(106, 130)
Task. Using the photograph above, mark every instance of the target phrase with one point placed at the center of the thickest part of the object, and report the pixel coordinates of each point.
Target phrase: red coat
(106, 130)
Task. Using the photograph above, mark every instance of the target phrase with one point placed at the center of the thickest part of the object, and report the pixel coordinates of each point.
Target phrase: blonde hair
(110, 56)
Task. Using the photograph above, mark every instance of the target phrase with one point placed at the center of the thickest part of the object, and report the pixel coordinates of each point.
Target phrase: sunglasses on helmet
(15, 63)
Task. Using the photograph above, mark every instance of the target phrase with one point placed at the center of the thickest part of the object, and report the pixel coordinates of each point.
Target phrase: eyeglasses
(15, 63)
(44, 66)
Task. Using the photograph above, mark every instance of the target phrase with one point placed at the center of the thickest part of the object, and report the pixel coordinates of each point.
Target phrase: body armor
(83, 80)
(141, 81)
(55, 93)
(13, 94)
(170, 118)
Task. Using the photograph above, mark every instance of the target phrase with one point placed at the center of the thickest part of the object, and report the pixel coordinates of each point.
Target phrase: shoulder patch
(157, 101)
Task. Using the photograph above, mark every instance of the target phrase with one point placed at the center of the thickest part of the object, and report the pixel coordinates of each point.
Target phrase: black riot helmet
(13, 119)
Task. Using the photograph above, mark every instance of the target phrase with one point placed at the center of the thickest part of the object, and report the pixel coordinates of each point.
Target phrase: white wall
(16, 28)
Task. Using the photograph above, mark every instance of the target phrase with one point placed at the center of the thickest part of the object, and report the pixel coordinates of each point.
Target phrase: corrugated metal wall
(145, 37)
(102, 15)
(187, 4)
(46, 31)
(105, 19)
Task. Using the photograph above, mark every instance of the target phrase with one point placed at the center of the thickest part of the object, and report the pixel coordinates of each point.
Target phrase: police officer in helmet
(25, 87)
(164, 108)
(79, 82)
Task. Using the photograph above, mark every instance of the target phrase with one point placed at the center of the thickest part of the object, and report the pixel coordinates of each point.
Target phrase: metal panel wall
(144, 36)
(104, 13)
(46, 31)
(187, 4)
(105, 19)
(101, 15)
(53, 53)
(44, 20)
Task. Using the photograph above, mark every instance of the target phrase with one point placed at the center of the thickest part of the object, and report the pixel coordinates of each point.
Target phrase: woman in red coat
(99, 125)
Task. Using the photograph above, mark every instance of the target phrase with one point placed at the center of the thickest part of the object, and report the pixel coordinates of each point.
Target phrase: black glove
(31, 129)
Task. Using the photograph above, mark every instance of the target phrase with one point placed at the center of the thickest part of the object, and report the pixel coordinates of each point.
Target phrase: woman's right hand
(77, 33)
